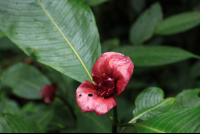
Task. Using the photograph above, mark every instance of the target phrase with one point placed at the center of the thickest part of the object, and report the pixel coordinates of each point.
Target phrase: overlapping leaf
(25, 80)
(178, 23)
(195, 71)
(14, 124)
(150, 103)
(155, 55)
(1, 34)
(187, 99)
(59, 33)
(179, 121)
(144, 26)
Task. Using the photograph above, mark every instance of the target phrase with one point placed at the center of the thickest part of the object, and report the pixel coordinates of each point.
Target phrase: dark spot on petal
(90, 95)
(79, 95)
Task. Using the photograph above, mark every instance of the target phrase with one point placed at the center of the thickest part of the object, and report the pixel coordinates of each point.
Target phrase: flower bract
(48, 93)
(111, 74)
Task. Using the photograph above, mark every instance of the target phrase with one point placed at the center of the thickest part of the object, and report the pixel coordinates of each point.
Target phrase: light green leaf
(59, 33)
(187, 99)
(178, 23)
(25, 80)
(99, 124)
(150, 103)
(143, 28)
(179, 121)
(195, 71)
(1, 34)
(94, 2)
(14, 124)
(155, 55)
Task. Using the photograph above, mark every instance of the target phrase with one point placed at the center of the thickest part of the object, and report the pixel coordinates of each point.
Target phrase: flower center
(105, 86)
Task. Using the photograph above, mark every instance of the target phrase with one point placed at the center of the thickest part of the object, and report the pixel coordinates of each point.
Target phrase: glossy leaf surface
(14, 124)
(187, 99)
(155, 55)
(25, 80)
(144, 26)
(179, 121)
(178, 23)
(61, 34)
(150, 103)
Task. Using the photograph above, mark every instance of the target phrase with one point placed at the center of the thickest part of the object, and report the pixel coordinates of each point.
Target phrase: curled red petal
(116, 66)
(88, 101)
(48, 93)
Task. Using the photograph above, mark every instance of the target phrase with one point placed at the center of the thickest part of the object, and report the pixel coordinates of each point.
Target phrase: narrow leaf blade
(178, 23)
(144, 26)
(155, 55)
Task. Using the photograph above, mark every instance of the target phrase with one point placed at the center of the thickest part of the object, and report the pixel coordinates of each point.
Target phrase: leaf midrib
(149, 128)
(79, 58)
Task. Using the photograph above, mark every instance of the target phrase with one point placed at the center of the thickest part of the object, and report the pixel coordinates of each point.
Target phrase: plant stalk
(115, 120)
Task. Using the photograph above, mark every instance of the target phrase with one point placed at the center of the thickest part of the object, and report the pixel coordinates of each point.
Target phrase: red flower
(48, 92)
(111, 74)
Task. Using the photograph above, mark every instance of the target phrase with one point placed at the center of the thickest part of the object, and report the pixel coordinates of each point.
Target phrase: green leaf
(14, 124)
(110, 44)
(143, 28)
(94, 2)
(178, 23)
(1, 34)
(195, 72)
(93, 123)
(25, 80)
(179, 121)
(42, 114)
(8, 106)
(187, 99)
(61, 34)
(155, 55)
(150, 103)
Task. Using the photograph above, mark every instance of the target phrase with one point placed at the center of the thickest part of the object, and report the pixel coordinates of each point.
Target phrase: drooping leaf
(155, 55)
(178, 23)
(99, 124)
(94, 2)
(195, 71)
(61, 34)
(180, 121)
(14, 124)
(25, 80)
(187, 99)
(150, 103)
(143, 27)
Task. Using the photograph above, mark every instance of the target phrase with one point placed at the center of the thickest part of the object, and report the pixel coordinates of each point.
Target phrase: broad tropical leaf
(59, 33)
(178, 23)
(179, 121)
(144, 26)
(1, 34)
(25, 80)
(187, 99)
(195, 71)
(150, 103)
(14, 124)
(155, 55)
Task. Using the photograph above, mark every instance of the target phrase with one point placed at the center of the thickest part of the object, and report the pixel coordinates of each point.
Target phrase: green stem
(115, 120)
